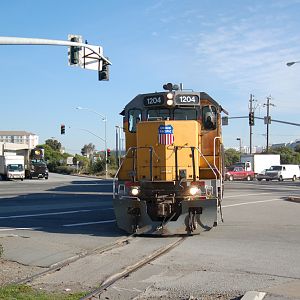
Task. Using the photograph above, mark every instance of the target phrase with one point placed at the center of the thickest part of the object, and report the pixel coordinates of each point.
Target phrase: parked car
(262, 175)
(283, 172)
(238, 173)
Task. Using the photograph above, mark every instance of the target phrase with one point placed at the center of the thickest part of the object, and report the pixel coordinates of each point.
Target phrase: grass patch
(24, 292)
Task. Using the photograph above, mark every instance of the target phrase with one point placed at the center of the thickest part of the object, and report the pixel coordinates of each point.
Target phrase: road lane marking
(244, 195)
(21, 228)
(47, 214)
(54, 213)
(89, 223)
(53, 193)
(253, 202)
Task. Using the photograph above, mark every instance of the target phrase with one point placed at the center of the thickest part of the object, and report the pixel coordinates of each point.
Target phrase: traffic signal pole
(33, 41)
(268, 104)
(250, 126)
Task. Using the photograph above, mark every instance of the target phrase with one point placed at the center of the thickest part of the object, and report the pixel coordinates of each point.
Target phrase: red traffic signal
(108, 152)
(62, 129)
(251, 118)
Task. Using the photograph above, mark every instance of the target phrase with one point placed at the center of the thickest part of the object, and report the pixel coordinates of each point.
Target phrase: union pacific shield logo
(165, 134)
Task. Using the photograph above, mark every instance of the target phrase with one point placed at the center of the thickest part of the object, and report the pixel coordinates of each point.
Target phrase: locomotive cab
(170, 180)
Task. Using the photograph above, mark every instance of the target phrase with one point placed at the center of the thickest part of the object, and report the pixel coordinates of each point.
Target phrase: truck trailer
(259, 162)
(12, 167)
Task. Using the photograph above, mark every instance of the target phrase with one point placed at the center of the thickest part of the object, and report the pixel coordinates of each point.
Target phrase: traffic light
(74, 52)
(62, 129)
(108, 152)
(103, 75)
(251, 118)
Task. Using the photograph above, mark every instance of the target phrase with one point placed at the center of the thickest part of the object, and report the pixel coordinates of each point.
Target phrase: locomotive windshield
(185, 114)
(209, 117)
(134, 116)
(158, 114)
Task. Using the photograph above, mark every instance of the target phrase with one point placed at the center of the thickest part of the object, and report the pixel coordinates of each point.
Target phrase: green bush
(64, 170)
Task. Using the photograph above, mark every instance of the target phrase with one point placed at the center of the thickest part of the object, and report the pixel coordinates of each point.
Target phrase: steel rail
(132, 268)
(57, 266)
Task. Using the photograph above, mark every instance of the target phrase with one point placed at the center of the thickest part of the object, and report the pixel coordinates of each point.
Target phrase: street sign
(224, 121)
(90, 58)
(267, 120)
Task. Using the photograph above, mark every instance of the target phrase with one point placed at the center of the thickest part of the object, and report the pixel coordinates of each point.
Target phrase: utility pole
(250, 125)
(268, 119)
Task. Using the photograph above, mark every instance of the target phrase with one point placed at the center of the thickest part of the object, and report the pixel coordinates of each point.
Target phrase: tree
(231, 156)
(88, 150)
(297, 148)
(54, 144)
(287, 155)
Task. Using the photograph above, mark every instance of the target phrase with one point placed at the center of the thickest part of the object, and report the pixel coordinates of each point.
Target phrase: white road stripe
(54, 213)
(20, 228)
(245, 195)
(89, 223)
(253, 202)
(47, 214)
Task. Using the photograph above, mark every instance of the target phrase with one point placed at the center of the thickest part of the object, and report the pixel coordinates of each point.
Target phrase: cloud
(251, 55)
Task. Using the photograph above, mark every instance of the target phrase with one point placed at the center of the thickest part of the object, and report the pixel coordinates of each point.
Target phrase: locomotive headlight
(194, 190)
(170, 96)
(170, 102)
(135, 190)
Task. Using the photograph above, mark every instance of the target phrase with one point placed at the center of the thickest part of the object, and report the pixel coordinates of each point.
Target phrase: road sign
(224, 121)
(90, 58)
(267, 120)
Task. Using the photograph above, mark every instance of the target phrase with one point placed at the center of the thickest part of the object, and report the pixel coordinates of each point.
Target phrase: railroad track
(56, 267)
(96, 294)
(112, 277)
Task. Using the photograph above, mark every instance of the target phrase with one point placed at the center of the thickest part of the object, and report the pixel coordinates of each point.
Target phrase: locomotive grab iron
(170, 180)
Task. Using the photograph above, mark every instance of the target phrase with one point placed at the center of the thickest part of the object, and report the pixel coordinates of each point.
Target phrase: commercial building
(19, 137)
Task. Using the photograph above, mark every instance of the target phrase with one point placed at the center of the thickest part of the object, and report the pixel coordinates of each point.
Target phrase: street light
(104, 119)
(292, 63)
(239, 139)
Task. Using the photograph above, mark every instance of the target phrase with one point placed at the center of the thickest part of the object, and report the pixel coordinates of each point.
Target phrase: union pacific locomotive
(170, 180)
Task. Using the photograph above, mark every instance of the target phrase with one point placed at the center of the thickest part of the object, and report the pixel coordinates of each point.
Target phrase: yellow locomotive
(170, 180)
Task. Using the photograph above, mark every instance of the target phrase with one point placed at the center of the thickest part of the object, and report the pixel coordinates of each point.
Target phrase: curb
(294, 198)
(253, 295)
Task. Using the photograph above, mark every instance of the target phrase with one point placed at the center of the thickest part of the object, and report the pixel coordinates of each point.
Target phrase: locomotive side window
(158, 114)
(209, 117)
(185, 114)
(134, 116)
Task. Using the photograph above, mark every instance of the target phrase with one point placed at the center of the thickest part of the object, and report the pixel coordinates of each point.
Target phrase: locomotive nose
(170, 143)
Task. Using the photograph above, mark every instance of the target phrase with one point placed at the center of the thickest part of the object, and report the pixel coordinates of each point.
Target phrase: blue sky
(228, 49)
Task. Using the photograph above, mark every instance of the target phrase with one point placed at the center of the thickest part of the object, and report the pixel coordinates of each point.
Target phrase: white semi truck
(12, 167)
(259, 162)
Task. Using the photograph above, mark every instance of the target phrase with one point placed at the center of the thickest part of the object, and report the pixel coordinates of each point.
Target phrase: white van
(283, 172)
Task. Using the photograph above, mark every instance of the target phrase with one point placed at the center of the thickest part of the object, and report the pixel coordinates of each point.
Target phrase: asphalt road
(256, 248)
(61, 217)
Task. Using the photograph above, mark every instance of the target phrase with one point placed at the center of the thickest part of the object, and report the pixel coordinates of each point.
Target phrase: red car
(238, 173)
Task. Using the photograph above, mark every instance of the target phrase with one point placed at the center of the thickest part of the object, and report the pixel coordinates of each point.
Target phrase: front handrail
(201, 154)
(215, 139)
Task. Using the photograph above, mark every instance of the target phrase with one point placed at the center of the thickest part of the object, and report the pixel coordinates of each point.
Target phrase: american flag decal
(165, 134)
